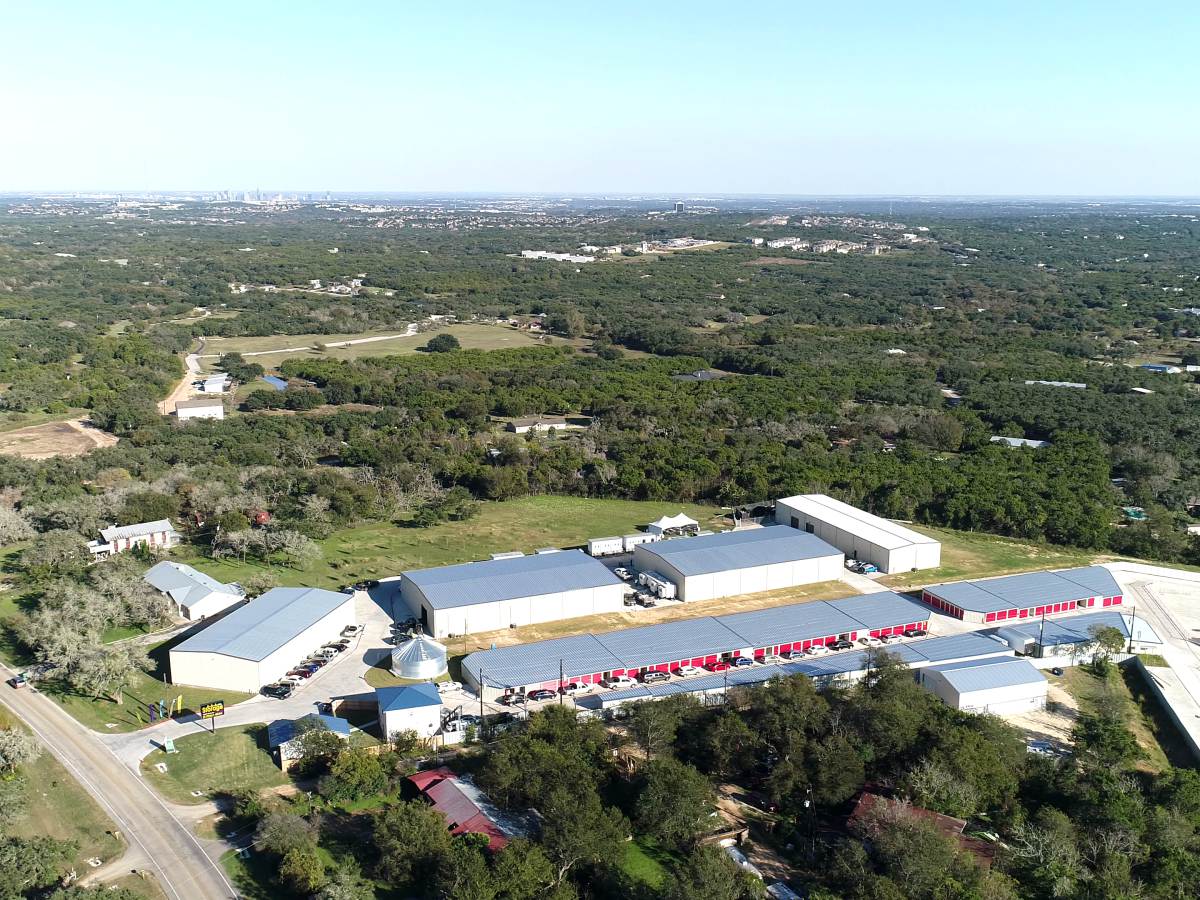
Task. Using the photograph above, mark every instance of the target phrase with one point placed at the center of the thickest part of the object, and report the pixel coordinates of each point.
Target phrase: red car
(302, 673)
(717, 666)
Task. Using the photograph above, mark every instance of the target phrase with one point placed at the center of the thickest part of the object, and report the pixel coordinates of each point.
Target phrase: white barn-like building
(1000, 686)
(260, 642)
(740, 562)
(501, 593)
(860, 535)
(196, 595)
(411, 707)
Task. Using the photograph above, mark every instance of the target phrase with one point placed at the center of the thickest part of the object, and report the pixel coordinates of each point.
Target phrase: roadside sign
(169, 746)
(212, 709)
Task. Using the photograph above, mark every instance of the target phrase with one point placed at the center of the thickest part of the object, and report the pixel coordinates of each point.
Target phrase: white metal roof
(113, 532)
(666, 522)
(185, 585)
(492, 580)
(869, 527)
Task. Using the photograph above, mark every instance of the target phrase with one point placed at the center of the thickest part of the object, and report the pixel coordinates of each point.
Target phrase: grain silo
(420, 658)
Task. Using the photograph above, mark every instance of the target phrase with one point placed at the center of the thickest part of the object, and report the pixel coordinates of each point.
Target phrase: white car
(292, 679)
(817, 650)
(869, 641)
(445, 687)
(575, 687)
(618, 681)
(890, 638)
(685, 670)
(769, 658)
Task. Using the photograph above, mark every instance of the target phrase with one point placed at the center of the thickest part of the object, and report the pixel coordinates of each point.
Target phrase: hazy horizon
(1078, 101)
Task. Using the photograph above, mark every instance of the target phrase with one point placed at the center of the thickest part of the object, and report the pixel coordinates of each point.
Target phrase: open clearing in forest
(72, 437)
(269, 352)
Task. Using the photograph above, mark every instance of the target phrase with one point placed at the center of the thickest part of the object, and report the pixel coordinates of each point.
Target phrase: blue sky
(692, 98)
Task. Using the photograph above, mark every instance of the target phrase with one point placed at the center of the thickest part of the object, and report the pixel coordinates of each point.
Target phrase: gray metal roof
(113, 532)
(183, 584)
(671, 641)
(958, 646)
(261, 627)
(1077, 629)
(407, 696)
(881, 610)
(580, 654)
(488, 581)
(986, 674)
(1029, 589)
(667, 642)
(788, 624)
(727, 550)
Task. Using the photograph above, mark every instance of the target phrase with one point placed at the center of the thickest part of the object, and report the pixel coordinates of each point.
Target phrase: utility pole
(1132, 625)
(1042, 635)
(482, 714)
(560, 682)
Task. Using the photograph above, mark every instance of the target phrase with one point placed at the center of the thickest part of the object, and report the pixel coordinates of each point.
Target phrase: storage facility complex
(592, 658)
(261, 641)
(1025, 596)
(860, 535)
(503, 593)
(837, 668)
(999, 686)
(740, 562)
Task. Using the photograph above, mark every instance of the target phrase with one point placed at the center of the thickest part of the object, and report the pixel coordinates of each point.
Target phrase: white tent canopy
(672, 523)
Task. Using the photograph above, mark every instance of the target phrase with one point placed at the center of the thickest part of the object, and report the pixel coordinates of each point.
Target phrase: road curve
(155, 836)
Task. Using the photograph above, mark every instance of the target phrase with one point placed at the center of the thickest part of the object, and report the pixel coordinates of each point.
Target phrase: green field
(471, 336)
(232, 759)
(59, 807)
(646, 862)
(967, 554)
(382, 549)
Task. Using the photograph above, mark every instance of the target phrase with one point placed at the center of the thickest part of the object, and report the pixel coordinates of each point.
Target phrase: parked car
(344, 642)
(865, 568)
(685, 670)
(1056, 671)
(654, 676)
(302, 673)
(622, 573)
(1040, 748)
(291, 679)
(743, 661)
(336, 648)
(280, 691)
(325, 653)
(447, 686)
(351, 630)
(915, 632)
(316, 662)
(841, 645)
(817, 650)
(511, 699)
(869, 641)
(646, 600)
(570, 690)
(889, 639)
(324, 708)
(17, 681)
(770, 658)
(616, 681)
(719, 666)
(541, 694)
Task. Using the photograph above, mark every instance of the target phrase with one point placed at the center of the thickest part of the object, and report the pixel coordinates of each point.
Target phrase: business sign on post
(211, 710)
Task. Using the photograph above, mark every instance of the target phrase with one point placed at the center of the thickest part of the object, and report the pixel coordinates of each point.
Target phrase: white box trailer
(634, 540)
(657, 585)
(605, 546)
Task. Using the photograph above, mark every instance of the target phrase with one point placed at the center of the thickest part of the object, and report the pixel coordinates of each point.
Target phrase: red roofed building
(461, 804)
(870, 807)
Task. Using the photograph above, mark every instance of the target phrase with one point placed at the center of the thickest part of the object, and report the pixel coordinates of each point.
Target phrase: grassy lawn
(130, 715)
(471, 336)
(382, 549)
(59, 807)
(146, 887)
(380, 675)
(1160, 745)
(646, 862)
(968, 554)
(233, 759)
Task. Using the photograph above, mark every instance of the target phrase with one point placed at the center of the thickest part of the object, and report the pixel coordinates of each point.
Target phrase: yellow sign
(213, 709)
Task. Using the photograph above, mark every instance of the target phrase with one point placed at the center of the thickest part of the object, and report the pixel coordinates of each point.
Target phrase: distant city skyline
(674, 100)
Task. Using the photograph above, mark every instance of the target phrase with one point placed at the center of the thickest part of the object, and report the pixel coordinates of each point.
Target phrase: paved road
(157, 840)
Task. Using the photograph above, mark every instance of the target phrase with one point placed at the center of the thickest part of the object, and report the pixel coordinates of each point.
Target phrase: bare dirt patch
(73, 437)
(1054, 723)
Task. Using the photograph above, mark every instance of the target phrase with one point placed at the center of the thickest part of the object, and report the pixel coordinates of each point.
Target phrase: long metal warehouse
(859, 534)
(502, 593)
(997, 686)
(259, 642)
(1025, 596)
(740, 562)
(591, 658)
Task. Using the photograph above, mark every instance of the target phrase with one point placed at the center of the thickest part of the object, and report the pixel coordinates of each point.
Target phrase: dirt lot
(635, 616)
(73, 437)
(1052, 724)
(778, 261)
